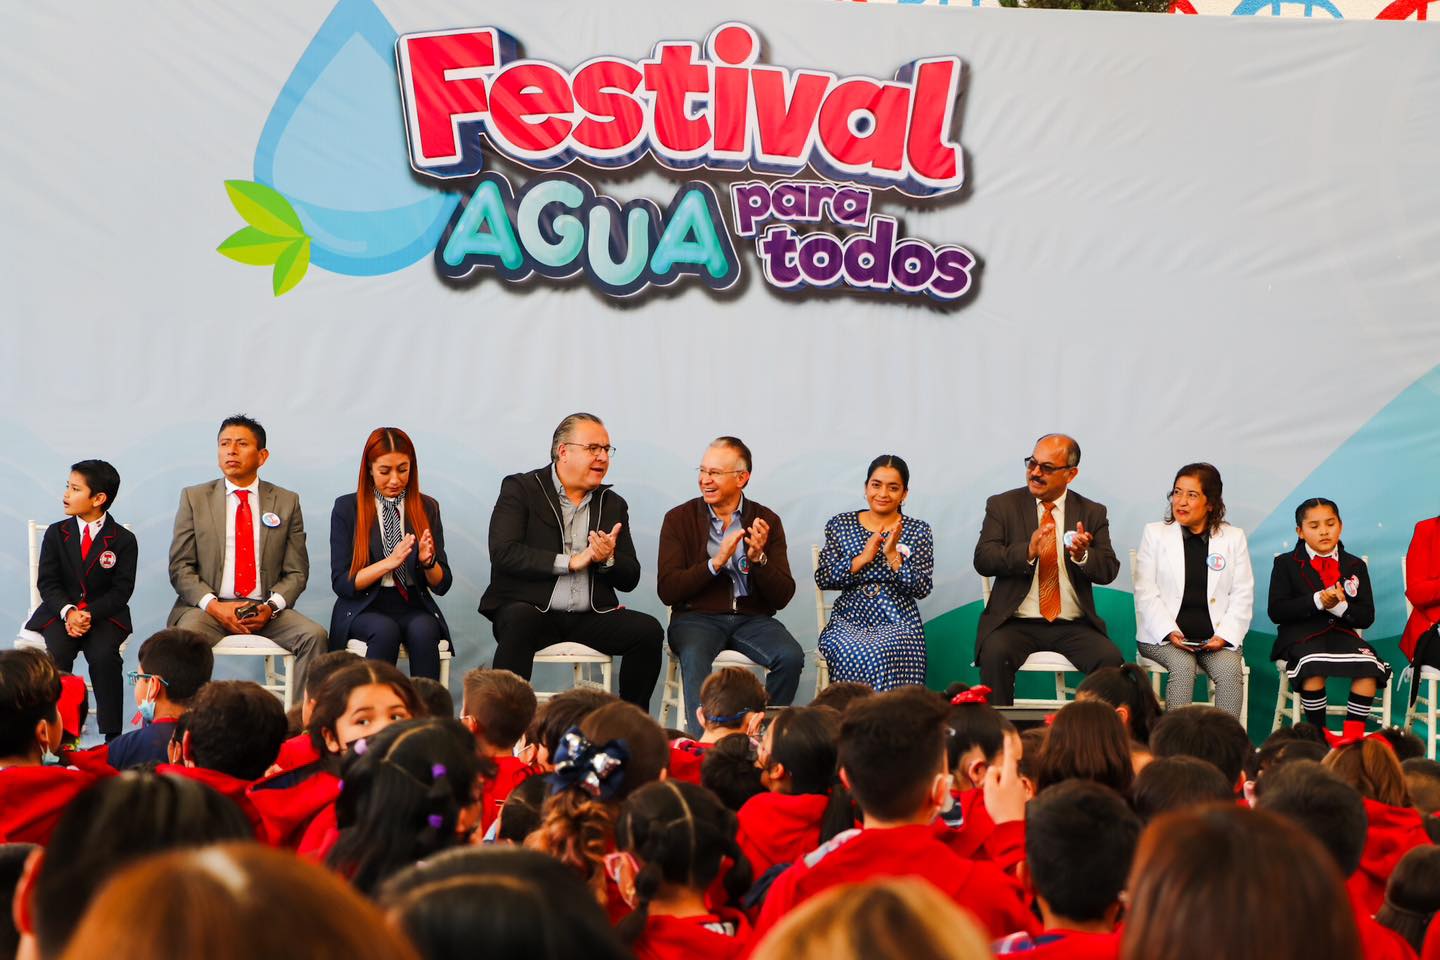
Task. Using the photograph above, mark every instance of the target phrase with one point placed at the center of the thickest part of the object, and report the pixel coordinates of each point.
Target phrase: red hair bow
(976, 694)
(1348, 741)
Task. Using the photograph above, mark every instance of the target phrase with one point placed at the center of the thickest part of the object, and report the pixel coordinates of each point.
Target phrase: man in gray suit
(238, 559)
(1044, 545)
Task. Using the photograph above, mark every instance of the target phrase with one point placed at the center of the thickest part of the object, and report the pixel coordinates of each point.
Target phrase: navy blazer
(349, 602)
(104, 584)
(1293, 583)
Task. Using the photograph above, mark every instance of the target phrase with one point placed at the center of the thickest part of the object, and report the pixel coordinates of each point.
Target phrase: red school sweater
(288, 802)
(980, 838)
(724, 935)
(510, 772)
(686, 756)
(780, 828)
(1393, 832)
(33, 798)
(224, 784)
(1061, 944)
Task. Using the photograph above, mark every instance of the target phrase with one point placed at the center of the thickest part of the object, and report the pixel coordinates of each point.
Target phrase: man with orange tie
(1044, 545)
(238, 558)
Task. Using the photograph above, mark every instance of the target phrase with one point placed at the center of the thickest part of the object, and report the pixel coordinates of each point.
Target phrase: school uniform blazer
(1160, 583)
(197, 550)
(525, 536)
(1293, 583)
(65, 579)
(349, 602)
(1422, 583)
(1010, 519)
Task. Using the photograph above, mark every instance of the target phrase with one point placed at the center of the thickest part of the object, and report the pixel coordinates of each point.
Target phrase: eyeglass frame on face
(1191, 496)
(135, 676)
(594, 449)
(1048, 469)
(717, 474)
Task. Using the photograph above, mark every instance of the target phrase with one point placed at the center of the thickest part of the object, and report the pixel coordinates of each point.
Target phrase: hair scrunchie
(976, 694)
(598, 769)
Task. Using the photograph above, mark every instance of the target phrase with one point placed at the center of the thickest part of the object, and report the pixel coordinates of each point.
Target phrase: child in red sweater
(732, 700)
(892, 760)
(299, 750)
(1080, 838)
(975, 746)
(672, 838)
(498, 708)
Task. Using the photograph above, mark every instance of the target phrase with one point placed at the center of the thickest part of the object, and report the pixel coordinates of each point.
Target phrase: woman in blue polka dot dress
(882, 561)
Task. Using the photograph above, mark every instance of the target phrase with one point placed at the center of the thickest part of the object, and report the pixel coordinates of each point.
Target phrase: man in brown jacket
(724, 573)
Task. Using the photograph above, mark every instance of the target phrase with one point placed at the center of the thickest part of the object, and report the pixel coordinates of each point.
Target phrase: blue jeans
(698, 638)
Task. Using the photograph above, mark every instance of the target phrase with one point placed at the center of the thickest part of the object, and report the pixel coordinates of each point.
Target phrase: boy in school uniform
(732, 700)
(893, 762)
(498, 708)
(174, 665)
(86, 576)
(1079, 842)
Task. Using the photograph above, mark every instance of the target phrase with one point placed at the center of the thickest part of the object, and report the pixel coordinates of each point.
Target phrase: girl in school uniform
(672, 839)
(1320, 600)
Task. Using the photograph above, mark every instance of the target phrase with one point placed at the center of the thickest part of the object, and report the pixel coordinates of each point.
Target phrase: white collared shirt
(226, 586)
(94, 536)
(1069, 601)
(1339, 609)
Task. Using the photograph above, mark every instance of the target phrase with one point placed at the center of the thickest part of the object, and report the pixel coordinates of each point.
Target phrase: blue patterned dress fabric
(875, 634)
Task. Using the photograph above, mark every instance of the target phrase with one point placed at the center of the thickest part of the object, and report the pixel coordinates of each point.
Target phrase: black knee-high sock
(1313, 703)
(1358, 707)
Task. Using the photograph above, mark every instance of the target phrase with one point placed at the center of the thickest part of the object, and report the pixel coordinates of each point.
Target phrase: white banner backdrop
(1198, 239)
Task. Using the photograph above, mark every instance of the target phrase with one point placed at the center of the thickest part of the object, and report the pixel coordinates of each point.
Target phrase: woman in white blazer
(1195, 591)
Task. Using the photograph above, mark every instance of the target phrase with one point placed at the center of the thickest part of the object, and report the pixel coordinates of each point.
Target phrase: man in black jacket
(560, 548)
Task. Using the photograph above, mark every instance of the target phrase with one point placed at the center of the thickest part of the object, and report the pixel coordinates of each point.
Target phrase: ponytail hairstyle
(383, 440)
(1125, 686)
(973, 723)
(804, 740)
(333, 696)
(615, 751)
(401, 796)
(681, 834)
(1311, 504)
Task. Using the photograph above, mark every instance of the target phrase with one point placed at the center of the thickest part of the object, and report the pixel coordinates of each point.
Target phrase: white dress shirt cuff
(65, 610)
(278, 600)
(205, 601)
(561, 566)
(1339, 609)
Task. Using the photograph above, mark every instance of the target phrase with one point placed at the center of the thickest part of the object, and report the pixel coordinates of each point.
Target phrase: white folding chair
(279, 663)
(581, 659)
(360, 648)
(1285, 694)
(1156, 670)
(672, 694)
(1042, 661)
(1427, 678)
(823, 607)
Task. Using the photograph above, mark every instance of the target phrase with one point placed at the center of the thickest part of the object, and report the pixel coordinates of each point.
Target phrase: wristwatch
(761, 560)
(274, 608)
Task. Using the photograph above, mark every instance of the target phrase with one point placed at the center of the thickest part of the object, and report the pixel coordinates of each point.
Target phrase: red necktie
(85, 542)
(1328, 568)
(244, 546)
(1049, 568)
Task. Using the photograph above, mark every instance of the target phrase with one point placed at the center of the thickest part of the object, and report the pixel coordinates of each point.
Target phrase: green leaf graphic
(291, 266)
(254, 247)
(264, 208)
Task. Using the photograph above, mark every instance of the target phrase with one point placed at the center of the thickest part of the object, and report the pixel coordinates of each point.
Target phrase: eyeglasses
(706, 473)
(1031, 463)
(135, 676)
(594, 449)
(1193, 496)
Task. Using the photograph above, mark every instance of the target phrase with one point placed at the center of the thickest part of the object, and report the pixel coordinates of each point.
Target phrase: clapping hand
(427, 548)
(1080, 543)
(602, 545)
(402, 550)
(756, 538)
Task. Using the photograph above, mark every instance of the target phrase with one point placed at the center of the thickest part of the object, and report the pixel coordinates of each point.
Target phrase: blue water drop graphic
(334, 145)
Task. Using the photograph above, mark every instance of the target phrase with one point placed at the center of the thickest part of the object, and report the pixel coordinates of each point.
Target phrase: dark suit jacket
(1010, 519)
(197, 550)
(349, 602)
(1293, 583)
(525, 536)
(685, 581)
(64, 579)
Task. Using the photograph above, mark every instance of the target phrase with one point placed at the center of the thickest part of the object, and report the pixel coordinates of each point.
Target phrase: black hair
(401, 797)
(29, 693)
(893, 462)
(1210, 485)
(115, 822)
(1422, 780)
(178, 729)
(1412, 895)
(681, 834)
(332, 698)
(1321, 804)
(563, 711)
(100, 477)
(1126, 686)
(728, 771)
(891, 747)
(1277, 751)
(323, 666)
(974, 725)
(520, 814)
(841, 694)
(1311, 504)
(805, 740)
(183, 658)
(1205, 732)
(1072, 447)
(738, 445)
(1403, 743)
(1174, 783)
(434, 903)
(236, 727)
(249, 423)
(1080, 838)
(12, 866)
(434, 696)
(566, 429)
